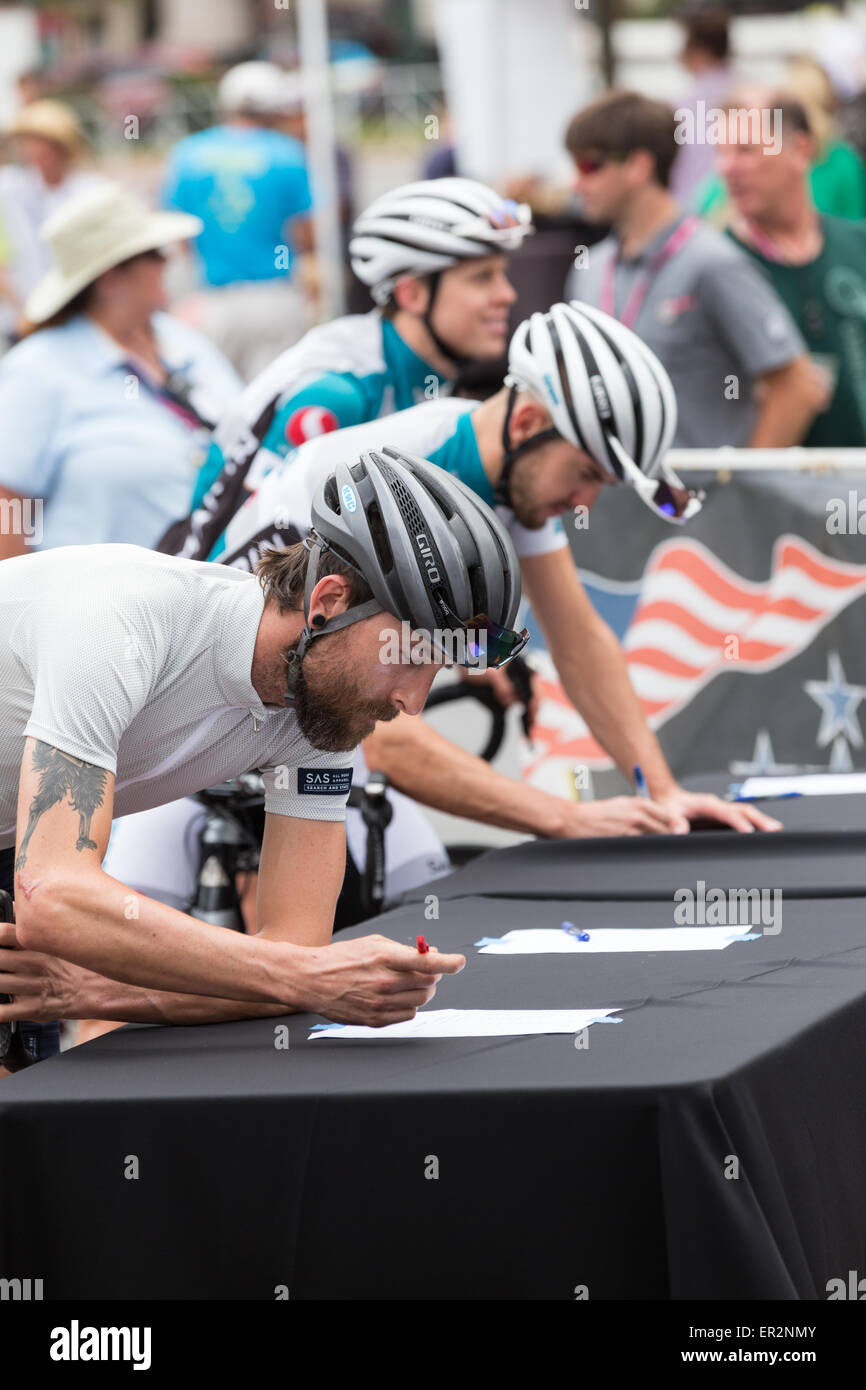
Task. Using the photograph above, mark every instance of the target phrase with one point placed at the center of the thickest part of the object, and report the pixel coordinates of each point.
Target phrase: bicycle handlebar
(466, 690)
(520, 675)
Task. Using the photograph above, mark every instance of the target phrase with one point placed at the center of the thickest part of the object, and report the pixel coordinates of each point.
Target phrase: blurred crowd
(726, 229)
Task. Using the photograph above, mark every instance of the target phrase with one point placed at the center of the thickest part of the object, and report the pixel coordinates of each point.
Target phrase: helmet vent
(429, 560)
(384, 553)
(478, 588)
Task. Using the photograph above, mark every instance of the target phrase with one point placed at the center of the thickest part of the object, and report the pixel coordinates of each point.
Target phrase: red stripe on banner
(660, 660)
(793, 608)
(760, 651)
(792, 554)
(666, 611)
(577, 750)
(695, 567)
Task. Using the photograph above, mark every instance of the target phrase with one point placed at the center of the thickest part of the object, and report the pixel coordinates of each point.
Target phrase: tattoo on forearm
(61, 773)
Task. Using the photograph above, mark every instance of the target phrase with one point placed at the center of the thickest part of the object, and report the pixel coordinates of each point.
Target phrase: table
(309, 1170)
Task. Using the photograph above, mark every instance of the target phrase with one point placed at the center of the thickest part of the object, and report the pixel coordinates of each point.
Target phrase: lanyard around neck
(632, 307)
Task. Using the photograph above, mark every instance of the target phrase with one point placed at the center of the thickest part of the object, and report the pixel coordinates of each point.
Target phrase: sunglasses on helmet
(488, 646)
(666, 496)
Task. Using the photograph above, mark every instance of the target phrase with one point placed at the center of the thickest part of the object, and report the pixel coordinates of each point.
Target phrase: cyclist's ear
(412, 293)
(332, 595)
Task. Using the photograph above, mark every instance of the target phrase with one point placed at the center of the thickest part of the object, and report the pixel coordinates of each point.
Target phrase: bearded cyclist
(196, 667)
(585, 405)
(434, 256)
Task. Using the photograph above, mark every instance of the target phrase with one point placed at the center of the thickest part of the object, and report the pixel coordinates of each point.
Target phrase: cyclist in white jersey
(586, 405)
(434, 256)
(131, 678)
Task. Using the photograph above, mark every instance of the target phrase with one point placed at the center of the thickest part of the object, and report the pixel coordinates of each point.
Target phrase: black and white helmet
(425, 227)
(432, 552)
(607, 393)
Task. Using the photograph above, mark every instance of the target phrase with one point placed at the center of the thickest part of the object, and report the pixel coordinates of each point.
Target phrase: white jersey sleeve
(94, 658)
(310, 784)
(549, 537)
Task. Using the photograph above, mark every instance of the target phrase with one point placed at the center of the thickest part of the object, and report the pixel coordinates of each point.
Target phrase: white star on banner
(838, 701)
(763, 762)
(840, 756)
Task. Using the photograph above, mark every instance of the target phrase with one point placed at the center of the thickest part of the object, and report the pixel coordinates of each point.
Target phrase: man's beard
(519, 497)
(330, 714)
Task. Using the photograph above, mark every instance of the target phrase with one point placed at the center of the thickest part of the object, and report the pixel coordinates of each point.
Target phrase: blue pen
(771, 796)
(571, 930)
(640, 785)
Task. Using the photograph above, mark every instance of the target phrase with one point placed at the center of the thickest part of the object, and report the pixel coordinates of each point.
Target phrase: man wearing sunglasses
(738, 364)
(585, 405)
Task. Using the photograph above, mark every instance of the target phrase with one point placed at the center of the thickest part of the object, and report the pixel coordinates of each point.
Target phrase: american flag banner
(744, 635)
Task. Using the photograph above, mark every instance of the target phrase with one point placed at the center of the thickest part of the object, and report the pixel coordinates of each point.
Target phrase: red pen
(422, 946)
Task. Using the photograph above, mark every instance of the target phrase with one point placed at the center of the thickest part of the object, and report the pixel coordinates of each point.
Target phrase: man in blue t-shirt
(248, 183)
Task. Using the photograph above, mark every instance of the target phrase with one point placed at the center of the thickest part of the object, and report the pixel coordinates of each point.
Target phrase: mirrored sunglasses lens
(671, 501)
(501, 643)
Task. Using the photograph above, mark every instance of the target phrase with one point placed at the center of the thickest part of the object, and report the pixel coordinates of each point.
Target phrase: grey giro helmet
(433, 553)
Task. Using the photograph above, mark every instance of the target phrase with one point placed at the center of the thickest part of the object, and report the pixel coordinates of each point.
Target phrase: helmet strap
(502, 491)
(355, 614)
(458, 358)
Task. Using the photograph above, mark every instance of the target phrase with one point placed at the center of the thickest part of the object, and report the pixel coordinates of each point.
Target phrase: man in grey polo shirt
(736, 359)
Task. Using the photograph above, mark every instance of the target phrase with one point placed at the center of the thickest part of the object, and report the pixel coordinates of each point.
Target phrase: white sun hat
(94, 231)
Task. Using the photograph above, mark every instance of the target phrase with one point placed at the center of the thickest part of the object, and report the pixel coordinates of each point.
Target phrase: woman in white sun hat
(106, 407)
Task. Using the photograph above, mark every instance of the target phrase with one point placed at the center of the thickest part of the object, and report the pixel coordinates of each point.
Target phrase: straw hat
(50, 120)
(93, 231)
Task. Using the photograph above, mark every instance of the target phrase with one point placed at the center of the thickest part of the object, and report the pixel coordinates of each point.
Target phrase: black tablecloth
(822, 852)
(558, 1166)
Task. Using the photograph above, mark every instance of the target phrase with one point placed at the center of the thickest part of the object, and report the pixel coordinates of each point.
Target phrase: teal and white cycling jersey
(340, 374)
(441, 431)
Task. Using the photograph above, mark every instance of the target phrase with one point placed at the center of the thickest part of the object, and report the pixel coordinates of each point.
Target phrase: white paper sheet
(474, 1023)
(808, 784)
(537, 941)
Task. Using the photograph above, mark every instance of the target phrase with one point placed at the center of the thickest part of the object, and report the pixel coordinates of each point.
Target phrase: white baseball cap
(253, 88)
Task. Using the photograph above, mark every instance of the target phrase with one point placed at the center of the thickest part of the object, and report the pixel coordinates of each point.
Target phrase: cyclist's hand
(620, 815)
(372, 981)
(44, 987)
(738, 815)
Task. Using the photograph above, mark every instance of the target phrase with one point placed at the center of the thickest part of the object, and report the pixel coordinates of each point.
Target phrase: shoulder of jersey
(420, 429)
(347, 346)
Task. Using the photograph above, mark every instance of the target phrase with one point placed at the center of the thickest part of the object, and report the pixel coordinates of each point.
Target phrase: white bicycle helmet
(607, 393)
(423, 228)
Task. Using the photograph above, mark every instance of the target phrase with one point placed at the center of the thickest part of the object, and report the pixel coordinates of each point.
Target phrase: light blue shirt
(245, 183)
(83, 430)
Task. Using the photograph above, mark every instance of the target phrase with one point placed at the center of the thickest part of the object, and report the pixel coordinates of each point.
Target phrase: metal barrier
(792, 460)
(396, 98)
